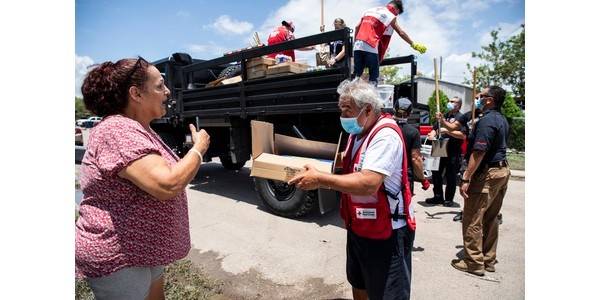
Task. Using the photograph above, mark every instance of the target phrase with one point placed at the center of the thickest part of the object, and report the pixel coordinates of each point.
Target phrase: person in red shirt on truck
(373, 35)
(281, 34)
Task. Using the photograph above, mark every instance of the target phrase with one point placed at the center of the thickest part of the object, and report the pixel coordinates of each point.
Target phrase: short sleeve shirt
(384, 156)
(454, 144)
(412, 138)
(119, 224)
(490, 135)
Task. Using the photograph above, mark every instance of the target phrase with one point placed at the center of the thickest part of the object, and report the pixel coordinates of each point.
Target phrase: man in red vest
(373, 35)
(284, 33)
(376, 198)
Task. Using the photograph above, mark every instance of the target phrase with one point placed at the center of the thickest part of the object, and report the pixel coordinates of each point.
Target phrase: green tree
(390, 75)
(80, 111)
(503, 64)
(433, 105)
(516, 120)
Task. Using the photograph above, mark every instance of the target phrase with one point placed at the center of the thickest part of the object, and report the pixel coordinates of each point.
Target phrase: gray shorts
(127, 283)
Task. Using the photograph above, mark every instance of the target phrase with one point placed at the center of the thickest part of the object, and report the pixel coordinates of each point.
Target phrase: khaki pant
(480, 222)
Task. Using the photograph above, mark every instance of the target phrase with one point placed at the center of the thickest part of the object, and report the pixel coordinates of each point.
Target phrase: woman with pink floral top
(133, 218)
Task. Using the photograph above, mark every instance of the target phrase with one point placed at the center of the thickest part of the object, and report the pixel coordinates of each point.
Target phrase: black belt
(497, 164)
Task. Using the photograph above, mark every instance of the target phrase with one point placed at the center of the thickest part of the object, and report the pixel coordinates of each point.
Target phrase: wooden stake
(474, 93)
(322, 13)
(437, 87)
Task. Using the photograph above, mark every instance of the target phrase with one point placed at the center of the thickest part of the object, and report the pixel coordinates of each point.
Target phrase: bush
(433, 107)
(516, 120)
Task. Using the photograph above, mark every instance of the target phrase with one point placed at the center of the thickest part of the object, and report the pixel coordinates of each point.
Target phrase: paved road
(258, 255)
(236, 240)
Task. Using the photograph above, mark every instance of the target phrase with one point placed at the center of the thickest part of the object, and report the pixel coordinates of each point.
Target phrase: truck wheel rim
(281, 190)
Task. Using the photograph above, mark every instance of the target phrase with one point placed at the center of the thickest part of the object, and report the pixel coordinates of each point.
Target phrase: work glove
(419, 47)
(425, 184)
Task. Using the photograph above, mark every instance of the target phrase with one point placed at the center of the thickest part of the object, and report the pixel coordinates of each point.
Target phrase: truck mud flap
(328, 200)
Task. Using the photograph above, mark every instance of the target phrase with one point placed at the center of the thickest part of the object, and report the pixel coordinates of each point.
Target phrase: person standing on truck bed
(484, 184)
(372, 37)
(133, 220)
(337, 51)
(376, 200)
(284, 33)
(403, 108)
(450, 164)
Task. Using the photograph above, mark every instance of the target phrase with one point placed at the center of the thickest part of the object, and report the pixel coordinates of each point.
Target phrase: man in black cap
(412, 143)
(451, 163)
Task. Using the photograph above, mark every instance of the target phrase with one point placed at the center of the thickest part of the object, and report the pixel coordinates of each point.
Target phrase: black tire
(229, 165)
(231, 71)
(284, 200)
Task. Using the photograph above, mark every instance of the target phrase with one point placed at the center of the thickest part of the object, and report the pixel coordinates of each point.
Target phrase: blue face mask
(351, 125)
(450, 106)
(478, 103)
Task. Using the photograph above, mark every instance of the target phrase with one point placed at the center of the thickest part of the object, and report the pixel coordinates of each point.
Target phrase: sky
(111, 30)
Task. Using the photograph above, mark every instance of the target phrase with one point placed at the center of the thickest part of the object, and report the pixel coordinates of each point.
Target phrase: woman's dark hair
(498, 94)
(105, 89)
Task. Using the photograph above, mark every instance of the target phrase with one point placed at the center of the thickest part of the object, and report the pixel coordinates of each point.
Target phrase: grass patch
(183, 280)
(516, 160)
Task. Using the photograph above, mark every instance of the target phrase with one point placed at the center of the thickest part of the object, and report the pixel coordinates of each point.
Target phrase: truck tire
(284, 200)
(229, 165)
(231, 71)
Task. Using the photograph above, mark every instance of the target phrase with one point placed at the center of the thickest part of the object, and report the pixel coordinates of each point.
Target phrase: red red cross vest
(375, 28)
(280, 35)
(371, 217)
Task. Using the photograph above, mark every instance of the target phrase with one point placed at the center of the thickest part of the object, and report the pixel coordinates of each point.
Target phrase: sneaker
(458, 217)
(448, 203)
(461, 265)
(434, 200)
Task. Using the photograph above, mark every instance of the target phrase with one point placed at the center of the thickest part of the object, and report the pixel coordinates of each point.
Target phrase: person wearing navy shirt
(450, 164)
(484, 184)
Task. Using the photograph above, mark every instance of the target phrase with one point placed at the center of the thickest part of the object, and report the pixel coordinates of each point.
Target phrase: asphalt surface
(258, 255)
(229, 223)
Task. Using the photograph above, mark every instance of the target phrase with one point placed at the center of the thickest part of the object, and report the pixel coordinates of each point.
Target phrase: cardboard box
(259, 61)
(287, 67)
(281, 157)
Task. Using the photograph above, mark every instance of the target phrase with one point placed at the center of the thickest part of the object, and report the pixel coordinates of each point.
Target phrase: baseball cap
(289, 24)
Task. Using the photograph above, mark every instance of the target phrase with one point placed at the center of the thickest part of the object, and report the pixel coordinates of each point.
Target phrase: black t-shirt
(335, 47)
(490, 135)
(454, 144)
(412, 140)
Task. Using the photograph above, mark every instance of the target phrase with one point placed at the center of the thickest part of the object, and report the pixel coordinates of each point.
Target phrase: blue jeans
(364, 59)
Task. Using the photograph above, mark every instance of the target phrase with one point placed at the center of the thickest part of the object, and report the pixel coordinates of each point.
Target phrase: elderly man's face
(349, 109)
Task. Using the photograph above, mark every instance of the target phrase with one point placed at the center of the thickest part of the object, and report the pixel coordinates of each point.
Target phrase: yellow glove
(419, 47)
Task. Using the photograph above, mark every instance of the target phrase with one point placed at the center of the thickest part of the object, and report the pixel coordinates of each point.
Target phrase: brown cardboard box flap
(287, 145)
(262, 138)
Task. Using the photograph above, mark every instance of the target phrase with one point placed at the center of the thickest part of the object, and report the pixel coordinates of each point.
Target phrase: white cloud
(209, 50)
(82, 64)
(454, 67)
(227, 25)
(508, 30)
(436, 23)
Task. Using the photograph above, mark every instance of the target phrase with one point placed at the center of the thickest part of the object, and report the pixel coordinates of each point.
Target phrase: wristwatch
(462, 180)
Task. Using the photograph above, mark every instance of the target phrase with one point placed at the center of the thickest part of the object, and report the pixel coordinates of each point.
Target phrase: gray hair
(361, 92)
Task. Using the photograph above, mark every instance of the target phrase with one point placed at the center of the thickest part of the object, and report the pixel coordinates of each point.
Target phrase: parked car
(91, 122)
(79, 122)
(78, 137)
